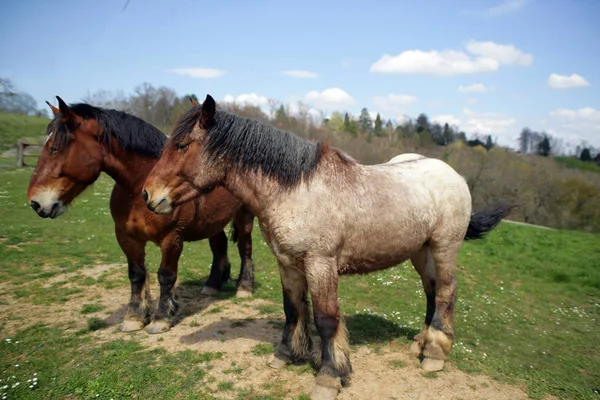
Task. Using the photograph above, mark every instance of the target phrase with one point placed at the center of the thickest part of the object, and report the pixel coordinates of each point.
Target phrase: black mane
(255, 146)
(132, 133)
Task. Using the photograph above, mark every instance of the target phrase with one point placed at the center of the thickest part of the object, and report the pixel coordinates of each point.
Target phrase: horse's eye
(182, 145)
(53, 150)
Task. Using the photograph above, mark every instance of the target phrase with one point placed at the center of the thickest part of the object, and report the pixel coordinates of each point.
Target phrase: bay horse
(325, 215)
(83, 141)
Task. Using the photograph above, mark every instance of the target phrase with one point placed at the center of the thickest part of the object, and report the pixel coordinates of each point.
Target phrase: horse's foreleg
(295, 343)
(423, 263)
(171, 248)
(220, 268)
(439, 335)
(138, 310)
(244, 222)
(335, 351)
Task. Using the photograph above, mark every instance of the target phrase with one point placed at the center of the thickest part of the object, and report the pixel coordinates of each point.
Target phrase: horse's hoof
(242, 293)
(131, 325)
(415, 348)
(276, 362)
(159, 326)
(209, 291)
(432, 365)
(323, 393)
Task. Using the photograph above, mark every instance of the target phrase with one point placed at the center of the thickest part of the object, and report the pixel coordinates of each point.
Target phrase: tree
(543, 148)
(422, 123)
(335, 121)
(525, 140)
(378, 131)
(365, 123)
(15, 102)
(489, 143)
(586, 155)
(448, 134)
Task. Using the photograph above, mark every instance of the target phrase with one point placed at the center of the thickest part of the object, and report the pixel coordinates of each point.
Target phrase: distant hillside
(575, 163)
(16, 126)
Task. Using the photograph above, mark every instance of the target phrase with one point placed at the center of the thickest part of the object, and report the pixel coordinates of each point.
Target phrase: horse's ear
(55, 110)
(193, 101)
(65, 110)
(207, 116)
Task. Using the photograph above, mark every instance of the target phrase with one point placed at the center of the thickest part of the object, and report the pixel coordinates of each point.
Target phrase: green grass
(262, 349)
(575, 163)
(14, 127)
(528, 309)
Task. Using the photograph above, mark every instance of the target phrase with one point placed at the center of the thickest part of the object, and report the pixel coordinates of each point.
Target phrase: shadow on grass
(188, 296)
(362, 328)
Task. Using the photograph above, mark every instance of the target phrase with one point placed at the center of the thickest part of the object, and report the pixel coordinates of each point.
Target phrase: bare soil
(233, 327)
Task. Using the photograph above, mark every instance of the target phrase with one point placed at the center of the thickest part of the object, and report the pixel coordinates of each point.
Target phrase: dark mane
(255, 146)
(132, 133)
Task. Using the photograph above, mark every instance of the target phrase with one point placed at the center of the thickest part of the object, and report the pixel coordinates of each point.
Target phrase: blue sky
(489, 66)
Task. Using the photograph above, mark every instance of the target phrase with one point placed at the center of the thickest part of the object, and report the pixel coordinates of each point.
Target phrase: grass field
(528, 312)
(14, 127)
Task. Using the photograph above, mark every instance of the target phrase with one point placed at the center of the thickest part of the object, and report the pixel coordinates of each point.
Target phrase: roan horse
(83, 141)
(325, 215)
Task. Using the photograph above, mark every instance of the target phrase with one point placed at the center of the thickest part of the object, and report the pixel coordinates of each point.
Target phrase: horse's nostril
(35, 205)
(145, 195)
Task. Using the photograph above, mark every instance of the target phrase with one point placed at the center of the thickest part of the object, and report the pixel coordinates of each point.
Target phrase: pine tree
(378, 126)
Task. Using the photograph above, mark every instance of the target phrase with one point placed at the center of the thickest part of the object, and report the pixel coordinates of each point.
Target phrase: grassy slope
(528, 307)
(14, 127)
(575, 163)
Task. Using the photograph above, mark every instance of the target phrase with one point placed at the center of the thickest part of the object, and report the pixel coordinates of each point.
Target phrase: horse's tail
(484, 221)
(233, 233)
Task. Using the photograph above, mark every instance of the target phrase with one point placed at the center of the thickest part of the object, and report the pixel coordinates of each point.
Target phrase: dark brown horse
(83, 141)
(324, 215)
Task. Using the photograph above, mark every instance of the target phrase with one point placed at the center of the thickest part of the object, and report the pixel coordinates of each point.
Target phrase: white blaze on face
(48, 137)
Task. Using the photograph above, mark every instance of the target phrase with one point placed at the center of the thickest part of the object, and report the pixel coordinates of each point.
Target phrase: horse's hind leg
(335, 351)
(171, 248)
(138, 310)
(423, 263)
(439, 335)
(244, 222)
(295, 341)
(220, 268)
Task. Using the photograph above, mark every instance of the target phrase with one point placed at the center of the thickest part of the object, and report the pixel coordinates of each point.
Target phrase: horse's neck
(253, 189)
(128, 169)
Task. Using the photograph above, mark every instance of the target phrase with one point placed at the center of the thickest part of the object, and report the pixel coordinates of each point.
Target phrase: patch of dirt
(91, 272)
(208, 324)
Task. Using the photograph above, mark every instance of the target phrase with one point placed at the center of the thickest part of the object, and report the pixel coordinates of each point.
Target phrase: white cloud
(506, 54)
(475, 88)
(251, 99)
(556, 81)
(440, 63)
(294, 108)
(393, 103)
(300, 74)
(576, 125)
(443, 119)
(198, 72)
(505, 7)
(329, 99)
(501, 127)
(485, 57)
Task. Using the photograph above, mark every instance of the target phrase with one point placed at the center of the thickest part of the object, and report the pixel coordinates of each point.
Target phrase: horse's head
(185, 169)
(70, 160)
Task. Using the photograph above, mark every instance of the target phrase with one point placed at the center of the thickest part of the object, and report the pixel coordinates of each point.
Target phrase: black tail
(233, 233)
(484, 221)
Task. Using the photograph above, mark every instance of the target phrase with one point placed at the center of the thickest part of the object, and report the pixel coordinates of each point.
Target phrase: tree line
(548, 193)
